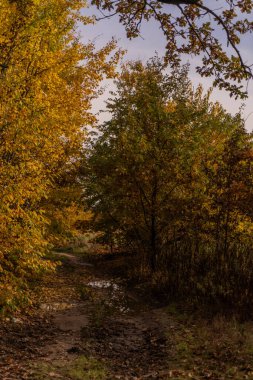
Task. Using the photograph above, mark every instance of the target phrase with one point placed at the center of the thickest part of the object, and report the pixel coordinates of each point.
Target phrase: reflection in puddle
(55, 306)
(103, 284)
(117, 299)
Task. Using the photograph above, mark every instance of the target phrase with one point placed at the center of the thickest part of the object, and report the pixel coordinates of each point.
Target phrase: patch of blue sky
(152, 41)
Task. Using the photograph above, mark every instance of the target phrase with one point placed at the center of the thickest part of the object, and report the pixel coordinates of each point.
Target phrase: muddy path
(89, 323)
(87, 326)
(110, 324)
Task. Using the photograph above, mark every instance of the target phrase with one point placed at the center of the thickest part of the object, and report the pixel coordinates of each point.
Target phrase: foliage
(209, 348)
(196, 28)
(47, 81)
(65, 208)
(169, 176)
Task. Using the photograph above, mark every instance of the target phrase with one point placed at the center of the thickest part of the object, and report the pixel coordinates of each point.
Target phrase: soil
(89, 323)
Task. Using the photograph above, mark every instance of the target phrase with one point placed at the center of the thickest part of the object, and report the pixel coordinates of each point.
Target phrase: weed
(82, 368)
(85, 292)
(101, 311)
(183, 349)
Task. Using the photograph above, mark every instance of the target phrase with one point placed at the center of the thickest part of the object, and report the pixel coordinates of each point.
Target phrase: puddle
(103, 284)
(56, 306)
(118, 299)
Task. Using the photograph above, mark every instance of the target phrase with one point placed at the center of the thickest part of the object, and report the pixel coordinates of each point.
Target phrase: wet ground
(90, 324)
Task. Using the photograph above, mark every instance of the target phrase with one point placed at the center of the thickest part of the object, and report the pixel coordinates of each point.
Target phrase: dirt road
(90, 324)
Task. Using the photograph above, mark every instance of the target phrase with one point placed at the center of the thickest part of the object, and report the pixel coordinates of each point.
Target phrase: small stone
(16, 320)
(54, 374)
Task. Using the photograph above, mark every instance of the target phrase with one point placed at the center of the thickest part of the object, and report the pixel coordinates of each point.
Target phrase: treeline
(169, 177)
(48, 79)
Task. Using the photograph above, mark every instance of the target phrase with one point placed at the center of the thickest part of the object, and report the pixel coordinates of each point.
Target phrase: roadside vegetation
(45, 105)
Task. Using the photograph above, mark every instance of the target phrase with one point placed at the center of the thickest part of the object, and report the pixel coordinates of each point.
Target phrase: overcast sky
(152, 41)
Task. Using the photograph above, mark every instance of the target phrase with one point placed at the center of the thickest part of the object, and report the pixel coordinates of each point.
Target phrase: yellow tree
(47, 81)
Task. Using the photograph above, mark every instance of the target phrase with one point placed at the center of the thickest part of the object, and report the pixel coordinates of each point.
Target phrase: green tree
(169, 176)
(227, 219)
(146, 158)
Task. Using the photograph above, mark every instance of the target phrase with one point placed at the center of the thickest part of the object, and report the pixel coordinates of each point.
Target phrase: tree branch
(179, 2)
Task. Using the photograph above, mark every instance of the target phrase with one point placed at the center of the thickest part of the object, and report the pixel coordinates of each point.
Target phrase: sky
(146, 46)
